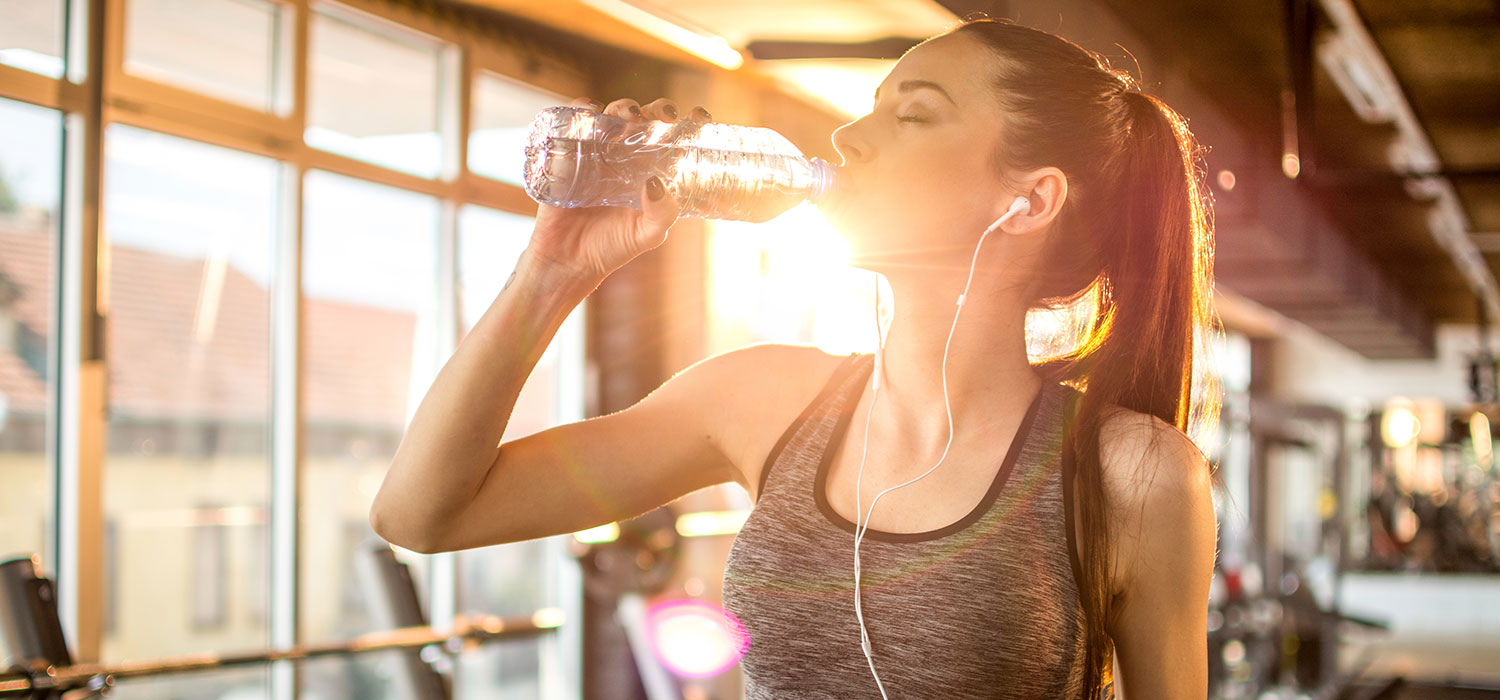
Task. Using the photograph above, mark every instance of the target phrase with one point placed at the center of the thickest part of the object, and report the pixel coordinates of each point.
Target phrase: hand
(592, 242)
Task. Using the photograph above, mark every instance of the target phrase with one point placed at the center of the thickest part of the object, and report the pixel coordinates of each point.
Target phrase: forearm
(453, 439)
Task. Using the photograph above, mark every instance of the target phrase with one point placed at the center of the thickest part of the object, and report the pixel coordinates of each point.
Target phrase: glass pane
(519, 578)
(374, 97)
(503, 110)
(369, 281)
(31, 37)
(222, 48)
(30, 160)
(188, 467)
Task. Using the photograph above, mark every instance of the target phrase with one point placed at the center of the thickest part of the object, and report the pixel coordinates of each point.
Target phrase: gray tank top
(986, 607)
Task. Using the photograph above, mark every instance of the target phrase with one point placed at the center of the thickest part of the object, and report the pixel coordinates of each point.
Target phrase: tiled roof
(357, 358)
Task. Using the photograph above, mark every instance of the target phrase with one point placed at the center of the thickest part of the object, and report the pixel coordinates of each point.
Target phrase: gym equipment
(391, 594)
(618, 573)
(39, 666)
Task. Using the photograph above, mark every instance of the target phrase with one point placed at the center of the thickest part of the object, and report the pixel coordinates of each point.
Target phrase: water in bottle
(577, 157)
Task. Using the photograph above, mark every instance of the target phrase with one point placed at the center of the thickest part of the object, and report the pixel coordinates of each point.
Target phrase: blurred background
(238, 238)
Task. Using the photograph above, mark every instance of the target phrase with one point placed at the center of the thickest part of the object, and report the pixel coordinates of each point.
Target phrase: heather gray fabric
(984, 608)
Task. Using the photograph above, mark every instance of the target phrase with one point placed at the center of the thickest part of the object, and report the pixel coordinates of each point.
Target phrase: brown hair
(1133, 246)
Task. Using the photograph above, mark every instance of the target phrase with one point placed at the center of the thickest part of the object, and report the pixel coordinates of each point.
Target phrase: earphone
(1020, 204)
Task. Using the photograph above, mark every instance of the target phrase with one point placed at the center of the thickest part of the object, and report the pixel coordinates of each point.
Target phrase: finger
(662, 109)
(700, 114)
(624, 108)
(587, 103)
(659, 210)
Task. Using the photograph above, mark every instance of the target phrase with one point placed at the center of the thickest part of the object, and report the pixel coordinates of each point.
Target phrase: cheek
(925, 189)
(938, 185)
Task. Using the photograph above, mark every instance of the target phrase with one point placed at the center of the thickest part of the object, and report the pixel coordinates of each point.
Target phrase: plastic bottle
(576, 157)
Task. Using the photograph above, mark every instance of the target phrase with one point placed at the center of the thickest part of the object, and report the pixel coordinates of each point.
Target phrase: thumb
(659, 210)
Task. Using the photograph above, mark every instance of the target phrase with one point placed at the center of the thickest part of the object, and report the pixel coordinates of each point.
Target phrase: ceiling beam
(1448, 222)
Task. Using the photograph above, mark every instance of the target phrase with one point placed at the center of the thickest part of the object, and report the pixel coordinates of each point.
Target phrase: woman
(993, 576)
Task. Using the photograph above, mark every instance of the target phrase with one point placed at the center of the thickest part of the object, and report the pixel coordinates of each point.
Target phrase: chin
(866, 225)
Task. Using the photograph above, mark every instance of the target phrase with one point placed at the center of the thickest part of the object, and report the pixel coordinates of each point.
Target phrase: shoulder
(750, 395)
(761, 371)
(1138, 448)
(1164, 539)
(1158, 486)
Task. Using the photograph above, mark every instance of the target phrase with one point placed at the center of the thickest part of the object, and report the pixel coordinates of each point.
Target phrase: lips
(843, 187)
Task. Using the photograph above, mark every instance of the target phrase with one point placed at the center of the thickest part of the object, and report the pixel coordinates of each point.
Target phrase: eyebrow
(909, 85)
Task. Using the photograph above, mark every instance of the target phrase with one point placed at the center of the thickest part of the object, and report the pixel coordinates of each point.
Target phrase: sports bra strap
(840, 375)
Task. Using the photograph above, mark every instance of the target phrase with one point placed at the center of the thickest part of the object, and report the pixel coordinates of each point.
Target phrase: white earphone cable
(863, 524)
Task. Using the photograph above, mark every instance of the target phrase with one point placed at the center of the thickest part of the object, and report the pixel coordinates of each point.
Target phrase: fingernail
(595, 105)
(654, 189)
(669, 110)
(635, 110)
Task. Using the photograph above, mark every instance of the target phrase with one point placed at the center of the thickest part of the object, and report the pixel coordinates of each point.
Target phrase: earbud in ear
(1018, 206)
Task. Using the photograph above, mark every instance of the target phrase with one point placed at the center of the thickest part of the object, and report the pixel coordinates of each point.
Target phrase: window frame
(78, 395)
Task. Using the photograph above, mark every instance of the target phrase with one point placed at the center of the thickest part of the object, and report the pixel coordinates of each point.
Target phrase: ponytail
(1134, 244)
(1151, 269)
(1151, 299)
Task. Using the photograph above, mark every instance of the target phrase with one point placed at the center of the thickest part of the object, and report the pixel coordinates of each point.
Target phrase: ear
(1047, 190)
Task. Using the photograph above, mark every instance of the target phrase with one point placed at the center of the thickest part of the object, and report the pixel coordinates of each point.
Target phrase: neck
(989, 377)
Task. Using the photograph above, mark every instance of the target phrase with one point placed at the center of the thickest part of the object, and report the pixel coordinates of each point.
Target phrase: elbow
(416, 539)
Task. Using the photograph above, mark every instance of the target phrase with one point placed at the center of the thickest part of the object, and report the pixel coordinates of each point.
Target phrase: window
(374, 96)
(208, 567)
(189, 263)
(518, 578)
(503, 110)
(31, 37)
(30, 156)
(229, 49)
(192, 235)
(369, 322)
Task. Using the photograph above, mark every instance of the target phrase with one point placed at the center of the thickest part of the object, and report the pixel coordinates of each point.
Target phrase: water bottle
(576, 157)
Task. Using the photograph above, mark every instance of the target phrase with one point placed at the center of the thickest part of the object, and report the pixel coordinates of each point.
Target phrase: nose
(851, 144)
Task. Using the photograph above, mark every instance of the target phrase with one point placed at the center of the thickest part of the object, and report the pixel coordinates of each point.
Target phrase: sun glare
(846, 84)
(788, 280)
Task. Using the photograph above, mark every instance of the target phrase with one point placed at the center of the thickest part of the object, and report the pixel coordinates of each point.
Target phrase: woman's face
(918, 182)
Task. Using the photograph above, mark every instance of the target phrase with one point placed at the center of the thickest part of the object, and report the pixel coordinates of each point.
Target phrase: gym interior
(240, 238)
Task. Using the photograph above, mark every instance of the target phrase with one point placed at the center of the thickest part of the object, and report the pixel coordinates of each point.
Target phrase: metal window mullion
(443, 568)
(286, 436)
(287, 378)
(286, 95)
(453, 94)
(80, 386)
(565, 578)
(458, 82)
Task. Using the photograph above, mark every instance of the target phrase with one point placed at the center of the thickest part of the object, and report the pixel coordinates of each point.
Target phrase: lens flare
(1479, 433)
(695, 639)
(1400, 425)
